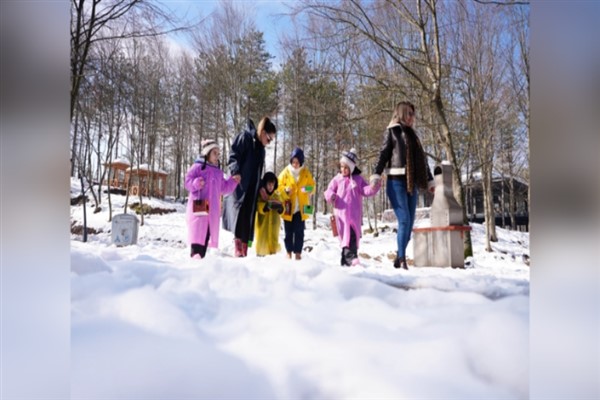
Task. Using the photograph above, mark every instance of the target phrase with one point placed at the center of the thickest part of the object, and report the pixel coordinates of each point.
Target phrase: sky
(147, 321)
(269, 19)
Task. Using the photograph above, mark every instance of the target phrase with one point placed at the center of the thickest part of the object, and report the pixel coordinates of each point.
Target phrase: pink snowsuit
(215, 185)
(349, 192)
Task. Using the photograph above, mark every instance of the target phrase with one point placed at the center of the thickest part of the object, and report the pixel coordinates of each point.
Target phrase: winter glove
(278, 207)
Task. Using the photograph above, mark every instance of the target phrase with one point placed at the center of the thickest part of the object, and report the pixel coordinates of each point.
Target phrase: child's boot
(238, 247)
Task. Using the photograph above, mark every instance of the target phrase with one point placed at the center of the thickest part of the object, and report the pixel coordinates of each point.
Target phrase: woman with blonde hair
(404, 161)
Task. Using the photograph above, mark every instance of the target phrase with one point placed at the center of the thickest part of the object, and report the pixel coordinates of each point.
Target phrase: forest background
(138, 96)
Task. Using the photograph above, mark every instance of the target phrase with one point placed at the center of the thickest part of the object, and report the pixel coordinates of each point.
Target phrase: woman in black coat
(246, 163)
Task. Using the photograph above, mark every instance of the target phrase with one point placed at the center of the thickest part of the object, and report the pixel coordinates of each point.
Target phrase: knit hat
(350, 159)
(299, 154)
(207, 146)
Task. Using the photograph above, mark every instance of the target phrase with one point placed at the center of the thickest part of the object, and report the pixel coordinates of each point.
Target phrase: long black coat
(247, 158)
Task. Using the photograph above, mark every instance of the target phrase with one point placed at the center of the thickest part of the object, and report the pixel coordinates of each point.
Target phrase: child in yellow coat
(296, 185)
(268, 221)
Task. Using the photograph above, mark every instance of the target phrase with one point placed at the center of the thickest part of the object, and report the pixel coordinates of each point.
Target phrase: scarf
(416, 164)
(295, 172)
(296, 175)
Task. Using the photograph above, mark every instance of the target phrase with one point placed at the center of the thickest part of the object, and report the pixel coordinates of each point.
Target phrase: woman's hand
(200, 183)
(375, 185)
(375, 180)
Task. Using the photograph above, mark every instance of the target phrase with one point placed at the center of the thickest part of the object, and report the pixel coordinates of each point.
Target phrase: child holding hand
(206, 183)
(346, 191)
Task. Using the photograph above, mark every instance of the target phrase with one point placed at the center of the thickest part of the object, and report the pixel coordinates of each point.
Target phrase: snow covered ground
(149, 322)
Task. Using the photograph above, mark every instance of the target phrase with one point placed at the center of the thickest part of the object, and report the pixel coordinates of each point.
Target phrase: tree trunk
(512, 202)
(488, 209)
(502, 201)
(74, 145)
(84, 208)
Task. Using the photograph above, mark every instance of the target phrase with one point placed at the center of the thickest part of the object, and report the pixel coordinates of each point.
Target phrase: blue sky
(265, 12)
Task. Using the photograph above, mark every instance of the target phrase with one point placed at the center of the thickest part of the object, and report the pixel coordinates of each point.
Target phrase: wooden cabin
(146, 181)
(122, 176)
(117, 174)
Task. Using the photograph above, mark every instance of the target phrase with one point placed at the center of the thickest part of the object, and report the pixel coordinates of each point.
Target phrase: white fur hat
(350, 159)
(207, 146)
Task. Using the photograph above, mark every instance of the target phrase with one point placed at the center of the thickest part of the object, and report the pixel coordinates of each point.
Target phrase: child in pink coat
(346, 191)
(205, 181)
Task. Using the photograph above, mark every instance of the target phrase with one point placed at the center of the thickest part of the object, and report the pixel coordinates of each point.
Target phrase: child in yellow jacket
(296, 185)
(268, 221)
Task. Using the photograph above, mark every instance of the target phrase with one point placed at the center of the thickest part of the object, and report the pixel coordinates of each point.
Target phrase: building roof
(118, 162)
(145, 169)
(476, 177)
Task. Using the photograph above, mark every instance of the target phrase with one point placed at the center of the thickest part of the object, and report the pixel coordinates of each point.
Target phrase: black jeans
(199, 248)
(350, 253)
(294, 234)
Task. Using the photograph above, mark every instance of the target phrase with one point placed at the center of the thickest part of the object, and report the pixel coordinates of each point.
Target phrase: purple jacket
(215, 185)
(347, 206)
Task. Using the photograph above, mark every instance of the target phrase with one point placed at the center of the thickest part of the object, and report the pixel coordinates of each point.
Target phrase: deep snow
(149, 322)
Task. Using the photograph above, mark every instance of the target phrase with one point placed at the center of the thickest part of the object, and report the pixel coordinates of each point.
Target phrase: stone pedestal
(439, 246)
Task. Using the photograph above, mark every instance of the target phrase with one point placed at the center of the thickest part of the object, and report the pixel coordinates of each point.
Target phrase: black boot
(347, 257)
(400, 262)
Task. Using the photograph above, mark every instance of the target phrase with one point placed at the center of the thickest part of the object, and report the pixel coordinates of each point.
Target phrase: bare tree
(409, 36)
(520, 73)
(484, 74)
(93, 21)
(233, 73)
(183, 111)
